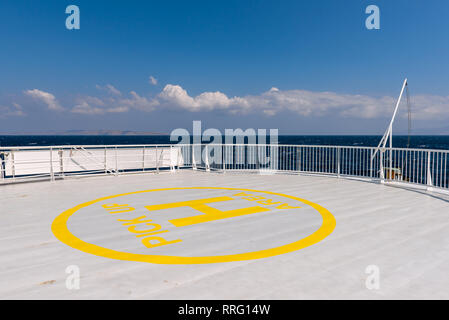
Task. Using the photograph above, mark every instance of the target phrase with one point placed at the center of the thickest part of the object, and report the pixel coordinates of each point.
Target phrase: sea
(418, 142)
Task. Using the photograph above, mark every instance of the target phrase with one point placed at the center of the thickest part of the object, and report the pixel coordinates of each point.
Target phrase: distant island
(86, 133)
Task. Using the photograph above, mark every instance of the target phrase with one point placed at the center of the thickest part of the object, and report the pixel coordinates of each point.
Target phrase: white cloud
(139, 103)
(118, 109)
(94, 105)
(302, 102)
(45, 97)
(110, 89)
(315, 103)
(298, 102)
(176, 96)
(15, 111)
(152, 80)
(305, 103)
(430, 107)
(84, 107)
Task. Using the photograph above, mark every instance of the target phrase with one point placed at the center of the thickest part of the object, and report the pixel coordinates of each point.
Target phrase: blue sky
(304, 67)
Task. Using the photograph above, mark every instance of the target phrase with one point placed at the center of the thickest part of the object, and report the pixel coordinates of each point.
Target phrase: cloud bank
(302, 103)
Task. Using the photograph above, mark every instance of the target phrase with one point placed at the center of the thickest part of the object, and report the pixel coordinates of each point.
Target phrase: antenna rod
(389, 132)
(394, 115)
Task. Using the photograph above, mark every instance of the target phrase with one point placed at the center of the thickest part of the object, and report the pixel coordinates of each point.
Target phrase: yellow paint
(264, 201)
(268, 202)
(60, 230)
(132, 223)
(117, 208)
(129, 222)
(156, 227)
(151, 233)
(254, 198)
(114, 206)
(242, 194)
(209, 213)
(286, 206)
(160, 242)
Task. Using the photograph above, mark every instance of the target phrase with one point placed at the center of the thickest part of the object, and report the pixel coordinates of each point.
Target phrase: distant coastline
(86, 133)
(441, 131)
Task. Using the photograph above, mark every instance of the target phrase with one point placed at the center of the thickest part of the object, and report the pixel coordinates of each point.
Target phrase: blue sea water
(421, 142)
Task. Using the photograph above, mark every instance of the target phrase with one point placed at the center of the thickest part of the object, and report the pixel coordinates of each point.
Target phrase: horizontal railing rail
(415, 167)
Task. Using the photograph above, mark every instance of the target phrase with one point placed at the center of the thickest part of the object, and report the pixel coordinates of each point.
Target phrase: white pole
(207, 160)
(429, 172)
(193, 157)
(116, 162)
(172, 161)
(390, 127)
(52, 175)
(157, 160)
(61, 162)
(389, 132)
(143, 159)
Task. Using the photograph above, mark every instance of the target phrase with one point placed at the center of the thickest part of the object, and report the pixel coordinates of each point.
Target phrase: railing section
(413, 166)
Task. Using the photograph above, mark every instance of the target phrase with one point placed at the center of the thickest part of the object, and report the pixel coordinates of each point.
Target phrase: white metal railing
(30, 163)
(414, 167)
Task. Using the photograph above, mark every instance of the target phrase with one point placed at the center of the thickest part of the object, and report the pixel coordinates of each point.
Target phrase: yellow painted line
(61, 231)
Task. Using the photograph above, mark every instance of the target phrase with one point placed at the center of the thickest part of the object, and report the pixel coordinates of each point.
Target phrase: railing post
(429, 172)
(223, 153)
(338, 161)
(274, 157)
(172, 162)
(61, 162)
(193, 158)
(391, 161)
(371, 163)
(105, 161)
(2, 165)
(207, 159)
(157, 160)
(178, 158)
(13, 165)
(52, 174)
(143, 159)
(116, 162)
(381, 164)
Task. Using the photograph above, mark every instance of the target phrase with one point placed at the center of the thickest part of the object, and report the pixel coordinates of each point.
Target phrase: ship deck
(403, 233)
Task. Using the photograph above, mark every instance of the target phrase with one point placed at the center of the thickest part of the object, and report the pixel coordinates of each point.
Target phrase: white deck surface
(405, 233)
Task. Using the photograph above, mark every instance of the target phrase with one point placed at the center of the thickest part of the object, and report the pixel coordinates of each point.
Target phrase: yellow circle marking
(60, 230)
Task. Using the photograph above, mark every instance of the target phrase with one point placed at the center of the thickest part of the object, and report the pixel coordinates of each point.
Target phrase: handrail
(83, 146)
(13, 148)
(413, 167)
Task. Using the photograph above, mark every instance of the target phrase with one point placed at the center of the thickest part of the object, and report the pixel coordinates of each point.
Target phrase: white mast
(388, 135)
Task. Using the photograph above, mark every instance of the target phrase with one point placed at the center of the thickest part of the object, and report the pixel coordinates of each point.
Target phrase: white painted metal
(410, 166)
(388, 135)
